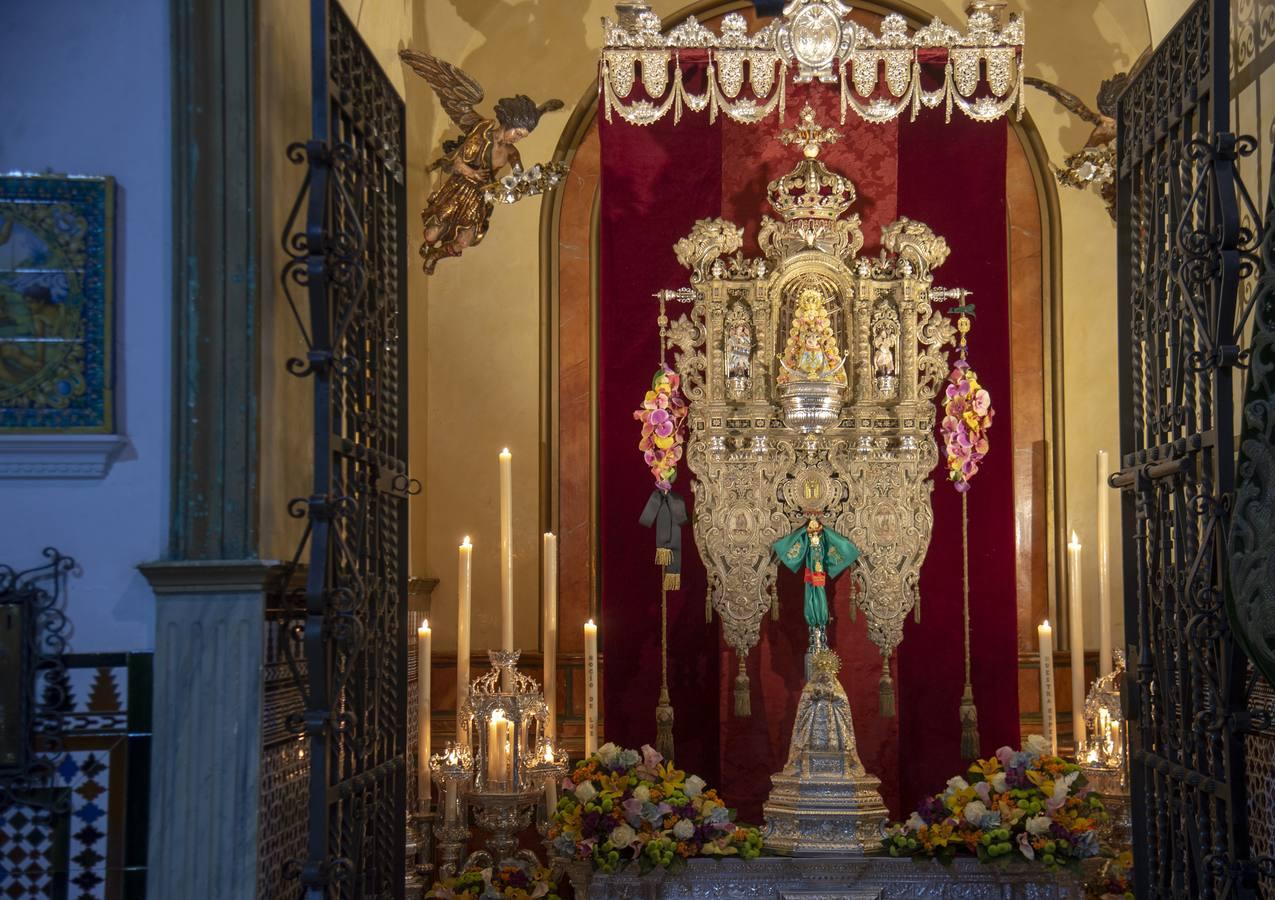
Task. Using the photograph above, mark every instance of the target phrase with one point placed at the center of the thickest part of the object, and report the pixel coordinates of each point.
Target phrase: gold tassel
(885, 692)
(774, 604)
(743, 706)
(708, 608)
(672, 581)
(969, 725)
(664, 725)
(663, 556)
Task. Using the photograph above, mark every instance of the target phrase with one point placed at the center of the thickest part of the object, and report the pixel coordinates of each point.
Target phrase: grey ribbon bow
(667, 512)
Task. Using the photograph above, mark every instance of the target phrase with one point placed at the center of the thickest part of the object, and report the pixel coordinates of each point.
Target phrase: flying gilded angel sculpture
(1094, 165)
(458, 211)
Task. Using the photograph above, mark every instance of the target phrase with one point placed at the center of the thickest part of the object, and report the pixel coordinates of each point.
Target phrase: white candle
(1048, 713)
(506, 551)
(464, 589)
(423, 657)
(549, 639)
(1076, 628)
(450, 800)
(497, 749)
(1104, 574)
(590, 688)
(551, 786)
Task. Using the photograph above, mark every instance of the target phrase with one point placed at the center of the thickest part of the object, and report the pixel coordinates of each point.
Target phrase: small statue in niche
(811, 352)
(739, 350)
(458, 212)
(885, 340)
(883, 360)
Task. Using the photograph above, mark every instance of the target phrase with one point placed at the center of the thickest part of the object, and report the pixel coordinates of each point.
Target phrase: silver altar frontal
(871, 878)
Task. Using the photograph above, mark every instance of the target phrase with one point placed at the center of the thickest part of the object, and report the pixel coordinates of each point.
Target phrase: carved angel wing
(458, 92)
(1069, 100)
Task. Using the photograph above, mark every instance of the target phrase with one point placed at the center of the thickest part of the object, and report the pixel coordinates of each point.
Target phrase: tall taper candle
(1076, 628)
(506, 550)
(590, 688)
(1048, 707)
(1104, 574)
(423, 658)
(464, 590)
(549, 638)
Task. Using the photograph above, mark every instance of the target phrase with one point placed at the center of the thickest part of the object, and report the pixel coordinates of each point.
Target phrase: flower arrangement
(1023, 803)
(1114, 881)
(967, 416)
(513, 879)
(620, 806)
(662, 414)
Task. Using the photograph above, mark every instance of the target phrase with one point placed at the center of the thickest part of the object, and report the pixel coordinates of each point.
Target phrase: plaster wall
(89, 93)
(483, 334)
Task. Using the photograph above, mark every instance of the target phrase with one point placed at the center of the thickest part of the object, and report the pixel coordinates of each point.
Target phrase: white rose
(1038, 825)
(914, 822)
(957, 783)
(585, 791)
(683, 829)
(642, 793)
(622, 835)
(974, 811)
(997, 782)
(1037, 745)
(607, 753)
(694, 786)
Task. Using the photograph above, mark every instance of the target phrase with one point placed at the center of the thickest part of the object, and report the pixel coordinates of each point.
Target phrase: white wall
(87, 92)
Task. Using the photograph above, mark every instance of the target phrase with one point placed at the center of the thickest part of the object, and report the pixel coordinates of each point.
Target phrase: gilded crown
(810, 190)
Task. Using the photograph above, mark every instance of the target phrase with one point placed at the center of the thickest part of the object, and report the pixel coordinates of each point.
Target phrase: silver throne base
(828, 878)
(831, 815)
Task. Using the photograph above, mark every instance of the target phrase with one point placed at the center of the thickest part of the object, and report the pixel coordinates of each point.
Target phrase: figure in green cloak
(824, 554)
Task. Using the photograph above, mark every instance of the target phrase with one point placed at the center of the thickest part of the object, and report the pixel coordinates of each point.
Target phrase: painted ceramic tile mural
(56, 249)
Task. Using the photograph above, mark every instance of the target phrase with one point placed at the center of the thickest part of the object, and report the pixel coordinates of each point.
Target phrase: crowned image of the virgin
(811, 353)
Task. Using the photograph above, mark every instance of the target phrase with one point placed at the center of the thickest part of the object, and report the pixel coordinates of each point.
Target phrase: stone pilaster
(207, 726)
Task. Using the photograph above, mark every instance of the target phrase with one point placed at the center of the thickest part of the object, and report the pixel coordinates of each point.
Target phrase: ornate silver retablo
(824, 802)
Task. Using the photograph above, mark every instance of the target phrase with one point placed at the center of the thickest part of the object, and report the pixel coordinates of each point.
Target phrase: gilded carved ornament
(812, 40)
(850, 439)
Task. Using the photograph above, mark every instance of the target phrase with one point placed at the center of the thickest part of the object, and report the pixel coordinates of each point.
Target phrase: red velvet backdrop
(656, 181)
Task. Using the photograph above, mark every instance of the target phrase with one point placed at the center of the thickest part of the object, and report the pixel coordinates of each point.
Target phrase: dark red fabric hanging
(952, 177)
(656, 181)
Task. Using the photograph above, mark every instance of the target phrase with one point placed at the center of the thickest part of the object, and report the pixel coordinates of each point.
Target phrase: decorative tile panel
(91, 845)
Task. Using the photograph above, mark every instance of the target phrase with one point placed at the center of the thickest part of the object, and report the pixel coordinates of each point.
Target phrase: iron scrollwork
(33, 682)
(346, 649)
(1191, 537)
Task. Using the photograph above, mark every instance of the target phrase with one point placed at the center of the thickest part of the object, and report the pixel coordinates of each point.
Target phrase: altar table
(833, 878)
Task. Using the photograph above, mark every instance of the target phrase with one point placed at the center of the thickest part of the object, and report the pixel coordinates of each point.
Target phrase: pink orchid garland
(662, 415)
(967, 416)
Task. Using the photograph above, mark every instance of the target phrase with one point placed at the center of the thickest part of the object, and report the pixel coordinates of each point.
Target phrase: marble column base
(206, 750)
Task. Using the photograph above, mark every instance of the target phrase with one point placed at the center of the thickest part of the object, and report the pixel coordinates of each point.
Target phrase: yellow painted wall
(483, 332)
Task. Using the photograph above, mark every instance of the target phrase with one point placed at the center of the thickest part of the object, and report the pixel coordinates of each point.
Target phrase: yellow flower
(664, 442)
(986, 767)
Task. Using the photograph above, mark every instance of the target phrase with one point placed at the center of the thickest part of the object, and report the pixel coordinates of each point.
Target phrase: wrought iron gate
(345, 239)
(1183, 254)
